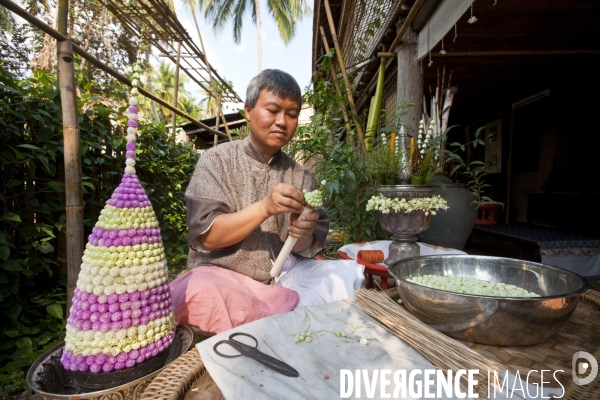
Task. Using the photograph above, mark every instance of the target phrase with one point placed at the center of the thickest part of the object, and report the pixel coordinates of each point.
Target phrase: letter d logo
(582, 367)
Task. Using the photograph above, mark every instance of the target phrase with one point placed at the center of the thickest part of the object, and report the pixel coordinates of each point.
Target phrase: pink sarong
(217, 299)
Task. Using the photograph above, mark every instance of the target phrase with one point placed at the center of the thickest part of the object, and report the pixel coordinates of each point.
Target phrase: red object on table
(371, 268)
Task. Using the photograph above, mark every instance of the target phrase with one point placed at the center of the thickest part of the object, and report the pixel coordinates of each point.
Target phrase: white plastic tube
(287, 248)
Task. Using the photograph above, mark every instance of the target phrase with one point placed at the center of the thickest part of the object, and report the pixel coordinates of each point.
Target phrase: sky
(239, 63)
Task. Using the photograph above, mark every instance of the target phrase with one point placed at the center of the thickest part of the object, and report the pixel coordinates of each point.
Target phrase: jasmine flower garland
(122, 312)
(429, 205)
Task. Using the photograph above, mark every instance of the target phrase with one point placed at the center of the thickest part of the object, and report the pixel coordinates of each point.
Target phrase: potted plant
(383, 161)
(452, 228)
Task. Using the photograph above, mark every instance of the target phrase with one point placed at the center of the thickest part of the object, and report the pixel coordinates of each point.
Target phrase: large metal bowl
(498, 321)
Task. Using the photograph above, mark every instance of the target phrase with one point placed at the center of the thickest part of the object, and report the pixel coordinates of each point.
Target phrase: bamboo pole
(176, 88)
(72, 152)
(338, 52)
(337, 88)
(212, 85)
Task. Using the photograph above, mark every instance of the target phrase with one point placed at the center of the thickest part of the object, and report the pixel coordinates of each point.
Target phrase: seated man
(243, 201)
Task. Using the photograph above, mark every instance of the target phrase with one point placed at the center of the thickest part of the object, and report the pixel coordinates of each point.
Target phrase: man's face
(273, 121)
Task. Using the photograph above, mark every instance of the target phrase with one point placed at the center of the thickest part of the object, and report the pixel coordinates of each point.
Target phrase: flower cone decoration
(122, 313)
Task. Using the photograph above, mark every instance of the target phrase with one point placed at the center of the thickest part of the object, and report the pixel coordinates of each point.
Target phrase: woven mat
(582, 332)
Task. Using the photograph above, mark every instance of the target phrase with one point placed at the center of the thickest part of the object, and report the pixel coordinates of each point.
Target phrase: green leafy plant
(475, 172)
(382, 163)
(324, 146)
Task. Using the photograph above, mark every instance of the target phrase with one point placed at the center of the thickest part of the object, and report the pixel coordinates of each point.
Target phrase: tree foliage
(319, 143)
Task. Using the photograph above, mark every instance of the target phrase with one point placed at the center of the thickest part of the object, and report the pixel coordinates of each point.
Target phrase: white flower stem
(287, 248)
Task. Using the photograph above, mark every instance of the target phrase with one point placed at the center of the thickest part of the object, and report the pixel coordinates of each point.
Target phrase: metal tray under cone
(48, 377)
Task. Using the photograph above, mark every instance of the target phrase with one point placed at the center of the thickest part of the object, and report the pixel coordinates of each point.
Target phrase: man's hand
(283, 199)
(302, 226)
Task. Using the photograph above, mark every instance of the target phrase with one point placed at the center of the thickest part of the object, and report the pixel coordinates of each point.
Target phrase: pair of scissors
(253, 352)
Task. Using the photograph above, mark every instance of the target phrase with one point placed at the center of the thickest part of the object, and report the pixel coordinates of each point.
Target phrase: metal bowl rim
(583, 288)
(31, 370)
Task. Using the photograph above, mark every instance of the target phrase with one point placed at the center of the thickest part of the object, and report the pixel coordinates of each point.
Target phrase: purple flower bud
(116, 316)
(115, 326)
(126, 314)
(146, 310)
(125, 323)
(126, 241)
(154, 307)
(144, 320)
(119, 204)
(127, 204)
(132, 123)
(78, 325)
(105, 317)
(118, 242)
(107, 367)
(135, 321)
(124, 297)
(113, 234)
(154, 352)
(86, 325)
(102, 308)
(93, 299)
(114, 307)
(135, 304)
(130, 154)
(102, 299)
(145, 294)
(95, 316)
(107, 242)
(135, 240)
(96, 326)
(133, 354)
(129, 363)
(82, 367)
(131, 232)
(133, 109)
(119, 365)
(122, 233)
(141, 359)
(152, 316)
(93, 308)
(151, 346)
(89, 360)
(100, 358)
(79, 358)
(113, 298)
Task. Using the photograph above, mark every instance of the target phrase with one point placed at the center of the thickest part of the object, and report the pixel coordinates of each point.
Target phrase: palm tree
(285, 12)
(216, 95)
(191, 107)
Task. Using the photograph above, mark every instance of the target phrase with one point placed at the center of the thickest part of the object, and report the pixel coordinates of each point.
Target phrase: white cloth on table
(320, 362)
(384, 245)
(321, 281)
